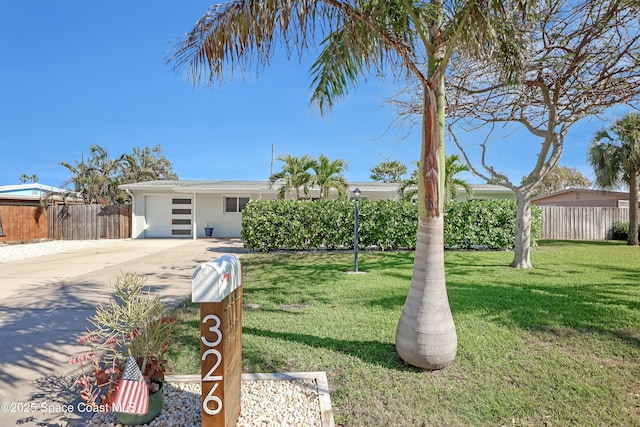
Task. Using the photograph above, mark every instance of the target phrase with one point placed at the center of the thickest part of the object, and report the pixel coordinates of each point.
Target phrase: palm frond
(376, 32)
(236, 34)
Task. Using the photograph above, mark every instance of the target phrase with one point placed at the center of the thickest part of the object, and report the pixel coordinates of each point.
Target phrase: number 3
(215, 329)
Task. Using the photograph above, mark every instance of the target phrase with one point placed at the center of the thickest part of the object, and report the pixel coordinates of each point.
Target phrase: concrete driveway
(44, 304)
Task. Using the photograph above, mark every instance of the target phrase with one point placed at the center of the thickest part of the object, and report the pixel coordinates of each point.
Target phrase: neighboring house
(584, 197)
(33, 194)
(486, 191)
(182, 209)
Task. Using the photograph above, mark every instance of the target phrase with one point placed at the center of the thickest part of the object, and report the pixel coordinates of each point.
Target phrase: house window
(175, 211)
(235, 204)
(179, 232)
(181, 221)
(181, 201)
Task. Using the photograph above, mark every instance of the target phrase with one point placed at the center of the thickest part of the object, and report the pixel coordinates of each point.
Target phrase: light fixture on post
(356, 195)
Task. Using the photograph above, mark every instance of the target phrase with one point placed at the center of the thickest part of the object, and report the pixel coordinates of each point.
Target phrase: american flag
(132, 395)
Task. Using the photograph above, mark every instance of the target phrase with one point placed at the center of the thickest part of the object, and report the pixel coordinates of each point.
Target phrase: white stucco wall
(137, 216)
(210, 212)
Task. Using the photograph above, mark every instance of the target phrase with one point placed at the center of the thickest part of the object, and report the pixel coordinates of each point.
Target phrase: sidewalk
(44, 304)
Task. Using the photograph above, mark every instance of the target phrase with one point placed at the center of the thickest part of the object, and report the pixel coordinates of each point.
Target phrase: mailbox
(217, 286)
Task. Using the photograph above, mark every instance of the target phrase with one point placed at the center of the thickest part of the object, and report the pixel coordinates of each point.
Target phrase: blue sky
(75, 73)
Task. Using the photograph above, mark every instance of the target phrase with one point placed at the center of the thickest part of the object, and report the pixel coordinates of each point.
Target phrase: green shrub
(269, 225)
(485, 224)
(620, 230)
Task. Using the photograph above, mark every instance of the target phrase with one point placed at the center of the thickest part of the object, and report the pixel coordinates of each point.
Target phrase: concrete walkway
(44, 304)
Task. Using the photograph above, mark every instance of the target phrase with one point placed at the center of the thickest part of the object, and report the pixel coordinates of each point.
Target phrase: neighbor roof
(586, 191)
(33, 190)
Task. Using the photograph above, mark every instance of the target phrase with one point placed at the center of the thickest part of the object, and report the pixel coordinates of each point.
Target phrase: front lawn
(555, 345)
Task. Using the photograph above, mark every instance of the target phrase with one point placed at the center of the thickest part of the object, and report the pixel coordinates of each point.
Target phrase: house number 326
(216, 334)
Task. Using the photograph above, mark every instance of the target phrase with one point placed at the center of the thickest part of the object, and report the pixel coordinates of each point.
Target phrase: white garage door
(168, 216)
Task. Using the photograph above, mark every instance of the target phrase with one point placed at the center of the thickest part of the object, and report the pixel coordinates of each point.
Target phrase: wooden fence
(22, 223)
(64, 222)
(580, 223)
(89, 222)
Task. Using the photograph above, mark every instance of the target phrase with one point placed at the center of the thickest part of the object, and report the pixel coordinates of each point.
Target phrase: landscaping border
(320, 377)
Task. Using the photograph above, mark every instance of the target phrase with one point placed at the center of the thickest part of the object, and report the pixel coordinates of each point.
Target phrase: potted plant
(128, 341)
(208, 230)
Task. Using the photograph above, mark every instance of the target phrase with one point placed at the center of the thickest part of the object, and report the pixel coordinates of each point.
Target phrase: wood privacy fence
(580, 223)
(64, 222)
(22, 223)
(89, 222)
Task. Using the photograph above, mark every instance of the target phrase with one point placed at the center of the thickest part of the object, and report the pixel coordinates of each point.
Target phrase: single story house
(183, 208)
(584, 197)
(34, 194)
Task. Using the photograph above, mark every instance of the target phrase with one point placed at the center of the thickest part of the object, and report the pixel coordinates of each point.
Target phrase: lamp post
(356, 196)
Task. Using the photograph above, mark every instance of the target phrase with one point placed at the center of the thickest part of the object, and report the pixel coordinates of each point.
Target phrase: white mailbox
(213, 281)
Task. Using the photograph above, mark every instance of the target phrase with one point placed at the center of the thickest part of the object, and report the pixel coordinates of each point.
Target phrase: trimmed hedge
(486, 224)
(269, 225)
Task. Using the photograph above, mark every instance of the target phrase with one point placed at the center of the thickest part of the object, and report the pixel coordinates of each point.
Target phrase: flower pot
(156, 401)
(208, 231)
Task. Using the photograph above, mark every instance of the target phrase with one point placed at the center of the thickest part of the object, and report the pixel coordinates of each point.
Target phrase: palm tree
(146, 164)
(615, 158)
(409, 187)
(294, 175)
(358, 36)
(328, 175)
(453, 166)
(97, 178)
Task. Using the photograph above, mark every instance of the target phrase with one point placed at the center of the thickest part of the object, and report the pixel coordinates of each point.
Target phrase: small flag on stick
(132, 395)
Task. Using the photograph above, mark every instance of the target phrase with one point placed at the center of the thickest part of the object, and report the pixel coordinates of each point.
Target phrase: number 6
(209, 398)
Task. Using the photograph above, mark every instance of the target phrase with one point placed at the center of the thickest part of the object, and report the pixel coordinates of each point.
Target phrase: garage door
(168, 216)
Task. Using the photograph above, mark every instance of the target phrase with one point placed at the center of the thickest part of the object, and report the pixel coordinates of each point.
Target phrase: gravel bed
(17, 252)
(265, 403)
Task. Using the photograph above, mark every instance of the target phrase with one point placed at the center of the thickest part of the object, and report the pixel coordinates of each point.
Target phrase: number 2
(209, 375)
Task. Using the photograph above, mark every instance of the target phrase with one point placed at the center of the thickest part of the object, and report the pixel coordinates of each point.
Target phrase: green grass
(555, 345)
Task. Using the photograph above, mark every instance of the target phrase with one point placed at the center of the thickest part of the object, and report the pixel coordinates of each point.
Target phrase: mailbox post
(217, 286)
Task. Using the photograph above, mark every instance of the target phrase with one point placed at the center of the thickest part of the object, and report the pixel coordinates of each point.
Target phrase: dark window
(181, 221)
(231, 204)
(235, 204)
(181, 211)
(181, 201)
(181, 232)
(242, 202)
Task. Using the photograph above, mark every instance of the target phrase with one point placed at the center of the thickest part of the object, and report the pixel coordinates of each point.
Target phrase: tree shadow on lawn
(373, 352)
(594, 307)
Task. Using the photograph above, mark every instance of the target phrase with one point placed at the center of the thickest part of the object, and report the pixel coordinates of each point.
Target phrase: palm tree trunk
(522, 258)
(633, 207)
(426, 335)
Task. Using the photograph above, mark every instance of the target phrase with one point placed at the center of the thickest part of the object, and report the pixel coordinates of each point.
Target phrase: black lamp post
(356, 196)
